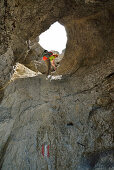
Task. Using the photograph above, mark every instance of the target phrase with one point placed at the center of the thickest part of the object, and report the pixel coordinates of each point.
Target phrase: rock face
(88, 24)
(71, 118)
(74, 116)
(21, 71)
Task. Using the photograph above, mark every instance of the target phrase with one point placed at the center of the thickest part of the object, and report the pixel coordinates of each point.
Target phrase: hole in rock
(70, 124)
(54, 39)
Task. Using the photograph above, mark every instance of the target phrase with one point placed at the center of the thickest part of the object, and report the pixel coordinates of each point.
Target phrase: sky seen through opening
(55, 38)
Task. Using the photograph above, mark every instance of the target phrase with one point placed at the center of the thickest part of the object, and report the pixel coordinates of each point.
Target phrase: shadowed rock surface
(88, 24)
(74, 115)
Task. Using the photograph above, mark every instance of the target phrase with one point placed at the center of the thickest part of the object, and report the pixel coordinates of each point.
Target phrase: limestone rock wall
(74, 116)
(24, 20)
(89, 41)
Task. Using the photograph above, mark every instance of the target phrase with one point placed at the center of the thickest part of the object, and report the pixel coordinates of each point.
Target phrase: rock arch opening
(73, 116)
(55, 38)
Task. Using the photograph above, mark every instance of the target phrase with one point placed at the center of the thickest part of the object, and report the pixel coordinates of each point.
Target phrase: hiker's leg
(48, 64)
(53, 64)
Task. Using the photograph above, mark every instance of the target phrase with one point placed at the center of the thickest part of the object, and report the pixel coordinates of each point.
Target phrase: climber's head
(45, 51)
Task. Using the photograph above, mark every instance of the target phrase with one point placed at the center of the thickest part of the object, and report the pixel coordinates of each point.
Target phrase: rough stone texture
(20, 71)
(90, 43)
(88, 25)
(72, 115)
(33, 59)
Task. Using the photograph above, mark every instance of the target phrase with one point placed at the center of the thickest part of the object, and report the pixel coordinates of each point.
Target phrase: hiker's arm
(55, 55)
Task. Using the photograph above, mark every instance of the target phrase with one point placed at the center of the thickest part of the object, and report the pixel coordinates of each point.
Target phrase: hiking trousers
(48, 64)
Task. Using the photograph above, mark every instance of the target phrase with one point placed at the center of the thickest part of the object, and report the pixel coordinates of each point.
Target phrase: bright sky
(54, 38)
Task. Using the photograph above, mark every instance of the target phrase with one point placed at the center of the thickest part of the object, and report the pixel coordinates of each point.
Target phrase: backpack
(46, 54)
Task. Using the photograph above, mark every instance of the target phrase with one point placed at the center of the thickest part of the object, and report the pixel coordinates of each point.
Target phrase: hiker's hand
(56, 55)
